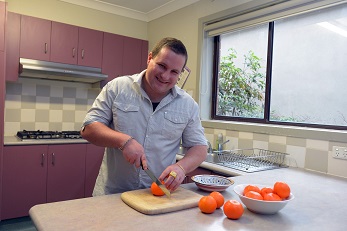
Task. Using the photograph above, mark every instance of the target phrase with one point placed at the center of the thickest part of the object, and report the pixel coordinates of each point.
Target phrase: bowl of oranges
(264, 199)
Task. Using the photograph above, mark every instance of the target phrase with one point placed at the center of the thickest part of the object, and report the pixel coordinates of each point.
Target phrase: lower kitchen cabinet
(93, 162)
(66, 172)
(41, 173)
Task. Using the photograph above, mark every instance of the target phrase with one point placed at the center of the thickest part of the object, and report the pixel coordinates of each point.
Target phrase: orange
(218, 197)
(233, 209)
(282, 189)
(254, 195)
(156, 190)
(272, 197)
(207, 204)
(251, 187)
(266, 190)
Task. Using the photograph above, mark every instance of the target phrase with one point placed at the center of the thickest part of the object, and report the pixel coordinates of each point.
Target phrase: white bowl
(212, 182)
(258, 206)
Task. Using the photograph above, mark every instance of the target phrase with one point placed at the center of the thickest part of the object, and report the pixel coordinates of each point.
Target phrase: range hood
(58, 71)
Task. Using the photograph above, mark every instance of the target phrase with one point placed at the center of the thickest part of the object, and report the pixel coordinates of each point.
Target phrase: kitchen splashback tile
(68, 116)
(56, 116)
(28, 102)
(69, 92)
(296, 141)
(41, 115)
(261, 137)
(42, 102)
(53, 126)
(13, 101)
(316, 160)
(14, 88)
(43, 90)
(27, 115)
(277, 139)
(12, 115)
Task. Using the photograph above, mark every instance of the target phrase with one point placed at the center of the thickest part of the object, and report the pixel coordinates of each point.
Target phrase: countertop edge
(15, 141)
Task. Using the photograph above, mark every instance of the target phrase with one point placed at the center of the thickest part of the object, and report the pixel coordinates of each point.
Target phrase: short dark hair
(173, 44)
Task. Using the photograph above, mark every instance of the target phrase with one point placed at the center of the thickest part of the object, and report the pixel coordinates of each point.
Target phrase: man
(143, 118)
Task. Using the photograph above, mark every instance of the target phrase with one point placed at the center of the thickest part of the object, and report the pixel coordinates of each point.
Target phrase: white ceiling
(144, 10)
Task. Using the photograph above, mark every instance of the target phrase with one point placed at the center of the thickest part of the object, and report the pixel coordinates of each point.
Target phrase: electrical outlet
(340, 152)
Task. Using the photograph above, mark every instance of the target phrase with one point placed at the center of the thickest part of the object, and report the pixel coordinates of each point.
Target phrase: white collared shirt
(124, 106)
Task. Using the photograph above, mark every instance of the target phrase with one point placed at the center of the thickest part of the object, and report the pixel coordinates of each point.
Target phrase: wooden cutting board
(145, 202)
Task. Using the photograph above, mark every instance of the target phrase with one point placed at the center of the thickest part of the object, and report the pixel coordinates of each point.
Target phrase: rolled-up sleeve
(101, 110)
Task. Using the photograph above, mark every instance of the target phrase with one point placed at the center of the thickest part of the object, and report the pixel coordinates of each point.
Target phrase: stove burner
(26, 135)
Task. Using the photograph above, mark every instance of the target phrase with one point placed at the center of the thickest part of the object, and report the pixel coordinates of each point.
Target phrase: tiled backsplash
(309, 154)
(35, 104)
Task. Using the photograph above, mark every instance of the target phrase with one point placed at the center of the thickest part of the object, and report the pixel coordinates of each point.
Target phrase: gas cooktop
(30, 135)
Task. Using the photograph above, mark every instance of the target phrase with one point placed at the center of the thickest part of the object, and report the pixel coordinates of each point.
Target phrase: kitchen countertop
(318, 205)
(14, 141)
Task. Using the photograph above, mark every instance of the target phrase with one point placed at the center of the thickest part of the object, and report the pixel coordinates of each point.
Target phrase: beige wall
(80, 16)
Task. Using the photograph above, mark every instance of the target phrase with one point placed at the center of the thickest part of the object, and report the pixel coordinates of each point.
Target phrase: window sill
(280, 130)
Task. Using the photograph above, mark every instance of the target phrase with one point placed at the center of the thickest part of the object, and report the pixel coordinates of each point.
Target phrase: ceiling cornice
(126, 12)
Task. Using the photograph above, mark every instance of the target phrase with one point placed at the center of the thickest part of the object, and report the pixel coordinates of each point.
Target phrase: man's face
(163, 71)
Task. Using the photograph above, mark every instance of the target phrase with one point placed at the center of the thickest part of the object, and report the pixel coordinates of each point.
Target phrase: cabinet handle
(82, 53)
(53, 158)
(46, 48)
(73, 52)
(42, 159)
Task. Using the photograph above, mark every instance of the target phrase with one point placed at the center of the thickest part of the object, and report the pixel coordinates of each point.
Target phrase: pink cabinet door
(112, 56)
(89, 47)
(66, 172)
(93, 162)
(2, 25)
(132, 56)
(35, 38)
(24, 179)
(12, 46)
(64, 43)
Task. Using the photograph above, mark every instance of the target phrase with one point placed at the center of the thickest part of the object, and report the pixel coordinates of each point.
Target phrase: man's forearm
(99, 134)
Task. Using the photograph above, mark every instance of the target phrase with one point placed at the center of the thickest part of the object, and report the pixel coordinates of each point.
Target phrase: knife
(155, 179)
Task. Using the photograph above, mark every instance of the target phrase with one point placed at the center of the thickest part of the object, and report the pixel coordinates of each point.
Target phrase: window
(291, 70)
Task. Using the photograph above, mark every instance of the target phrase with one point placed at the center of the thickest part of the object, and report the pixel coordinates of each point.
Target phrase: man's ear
(149, 57)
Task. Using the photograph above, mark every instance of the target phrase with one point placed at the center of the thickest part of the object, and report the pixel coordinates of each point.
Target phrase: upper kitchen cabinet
(76, 45)
(2, 25)
(112, 56)
(90, 43)
(64, 43)
(35, 38)
(133, 55)
(12, 46)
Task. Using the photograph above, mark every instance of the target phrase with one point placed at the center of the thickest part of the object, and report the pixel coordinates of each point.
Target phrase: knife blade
(155, 179)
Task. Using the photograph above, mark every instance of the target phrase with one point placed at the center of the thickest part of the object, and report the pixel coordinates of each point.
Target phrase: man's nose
(166, 75)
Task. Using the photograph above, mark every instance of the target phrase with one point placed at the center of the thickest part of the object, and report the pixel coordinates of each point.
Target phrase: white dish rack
(251, 160)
